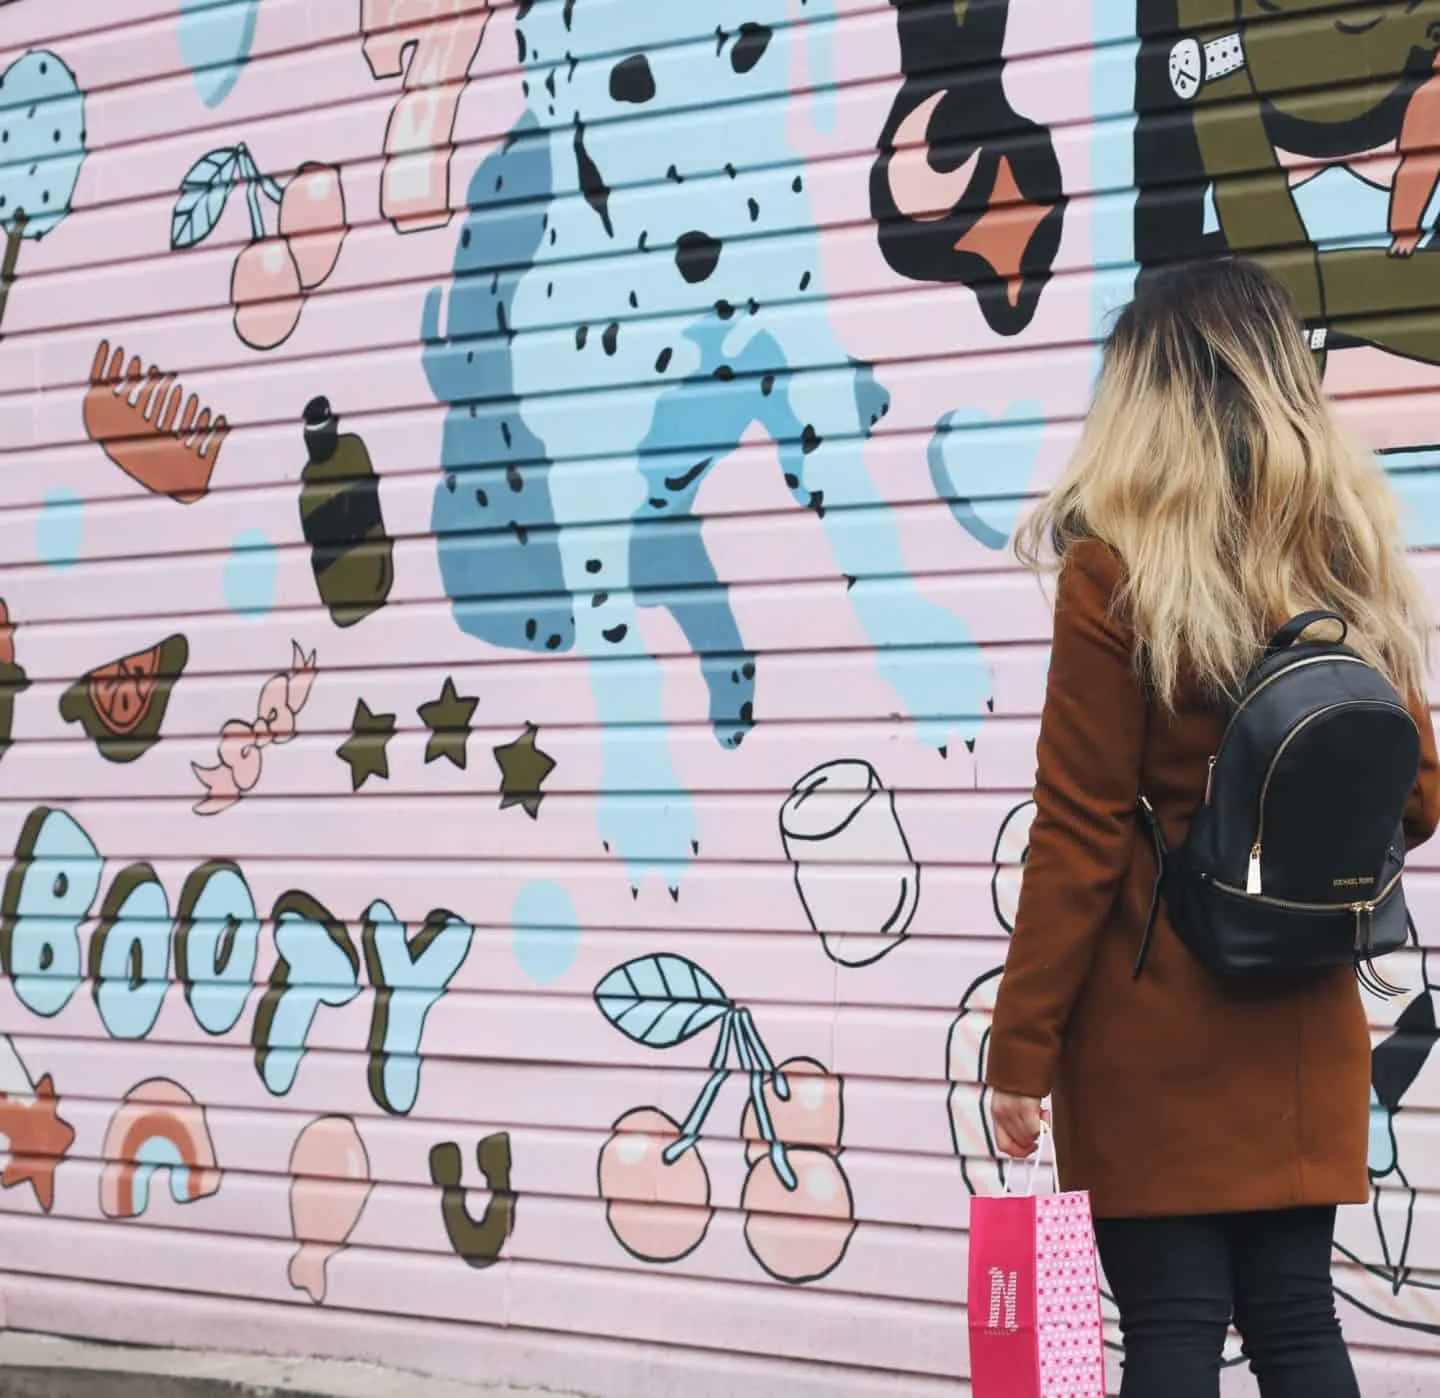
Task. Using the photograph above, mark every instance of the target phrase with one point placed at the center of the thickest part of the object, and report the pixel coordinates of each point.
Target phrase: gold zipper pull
(1209, 778)
(1252, 874)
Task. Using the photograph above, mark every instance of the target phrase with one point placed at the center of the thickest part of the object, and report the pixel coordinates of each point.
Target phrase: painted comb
(137, 419)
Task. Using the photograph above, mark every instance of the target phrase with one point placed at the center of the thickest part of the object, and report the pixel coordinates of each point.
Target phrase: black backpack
(1292, 862)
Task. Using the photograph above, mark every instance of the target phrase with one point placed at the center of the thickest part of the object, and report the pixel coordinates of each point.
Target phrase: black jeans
(1179, 1282)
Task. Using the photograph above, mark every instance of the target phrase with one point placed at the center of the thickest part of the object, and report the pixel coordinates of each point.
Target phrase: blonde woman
(1217, 1126)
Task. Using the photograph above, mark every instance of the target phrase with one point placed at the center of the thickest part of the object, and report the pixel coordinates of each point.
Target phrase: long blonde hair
(1212, 463)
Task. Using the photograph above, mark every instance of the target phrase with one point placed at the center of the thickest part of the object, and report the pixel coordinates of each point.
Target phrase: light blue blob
(251, 574)
(1112, 159)
(1381, 1158)
(546, 931)
(215, 41)
(1211, 220)
(223, 909)
(981, 467)
(1415, 475)
(1341, 210)
(60, 528)
(42, 131)
(159, 1153)
(128, 1009)
(61, 879)
(407, 986)
(320, 974)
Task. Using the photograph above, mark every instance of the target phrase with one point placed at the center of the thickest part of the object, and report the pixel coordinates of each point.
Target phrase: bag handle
(1293, 629)
(1045, 1135)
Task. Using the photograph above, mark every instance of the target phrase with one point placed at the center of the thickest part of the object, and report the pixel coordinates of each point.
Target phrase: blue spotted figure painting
(631, 294)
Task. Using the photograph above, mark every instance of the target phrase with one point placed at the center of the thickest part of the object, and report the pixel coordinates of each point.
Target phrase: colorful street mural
(516, 721)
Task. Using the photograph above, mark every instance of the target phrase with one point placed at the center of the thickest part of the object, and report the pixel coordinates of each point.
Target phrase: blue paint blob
(215, 40)
(251, 574)
(60, 528)
(547, 931)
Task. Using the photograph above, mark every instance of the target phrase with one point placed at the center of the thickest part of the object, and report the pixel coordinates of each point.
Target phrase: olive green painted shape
(77, 706)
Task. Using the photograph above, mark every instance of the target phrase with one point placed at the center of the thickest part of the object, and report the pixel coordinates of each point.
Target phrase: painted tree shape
(42, 125)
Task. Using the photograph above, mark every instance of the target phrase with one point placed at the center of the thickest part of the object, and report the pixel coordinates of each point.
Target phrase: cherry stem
(690, 1129)
(757, 1044)
(747, 1048)
(257, 220)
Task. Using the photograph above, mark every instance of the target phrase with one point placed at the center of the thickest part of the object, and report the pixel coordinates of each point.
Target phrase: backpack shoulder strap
(1151, 822)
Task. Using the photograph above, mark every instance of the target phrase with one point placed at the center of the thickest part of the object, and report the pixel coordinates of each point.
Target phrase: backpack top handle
(1293, 629)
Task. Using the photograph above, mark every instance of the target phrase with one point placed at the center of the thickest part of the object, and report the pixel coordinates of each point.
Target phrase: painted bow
(241, 743)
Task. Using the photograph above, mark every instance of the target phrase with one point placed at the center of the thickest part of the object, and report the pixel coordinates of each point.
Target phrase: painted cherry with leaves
(800, 1211)
(272, 272)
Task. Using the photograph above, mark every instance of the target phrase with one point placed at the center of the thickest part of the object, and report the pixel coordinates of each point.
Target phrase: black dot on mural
(753, 306)
(530, 629)
(611, 338)
(553, 236)
(767, 384)
(552, 641)
(634, 302)
(791, 479)
(514, 479)
(44, 68)
(631, 79)
(599, 599)
(524, 87)
(499, 183)
(582, 333)
(450, 481)
(482, 498)
(754, 210)
(644, 238)
(697, 255)
(662, 360)
(57, 138)
(520, 45)
(724, 373)
(673, 174)
(464, 237)
(724, 310)
(804, 281)
(469, 356)
(749, 47)
(615, 634)
(658, 502)
(61, 885)
(592, 565)
(549, 289)
(809, 439)
(747, 711)
(748, 669)
(797, 184)
(521, 532)
(47, 957)
(505, 431)
(731, 170)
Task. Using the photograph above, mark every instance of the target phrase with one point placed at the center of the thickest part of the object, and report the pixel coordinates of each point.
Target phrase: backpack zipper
(1364, 912)
(1260, 688)
(1252, 871)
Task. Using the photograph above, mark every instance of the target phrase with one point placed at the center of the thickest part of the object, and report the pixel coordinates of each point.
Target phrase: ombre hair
(1212, 464)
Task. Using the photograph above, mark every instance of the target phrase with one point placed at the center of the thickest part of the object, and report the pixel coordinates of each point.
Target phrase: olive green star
(364, 749)
(523, 767)
(448, 719)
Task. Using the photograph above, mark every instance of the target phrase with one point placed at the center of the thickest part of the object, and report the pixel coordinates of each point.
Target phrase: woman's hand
(1017, 1123)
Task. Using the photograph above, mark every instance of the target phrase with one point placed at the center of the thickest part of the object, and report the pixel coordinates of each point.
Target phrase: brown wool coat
(1171, 1094)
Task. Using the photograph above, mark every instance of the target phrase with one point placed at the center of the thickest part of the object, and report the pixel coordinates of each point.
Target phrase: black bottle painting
(350, 552)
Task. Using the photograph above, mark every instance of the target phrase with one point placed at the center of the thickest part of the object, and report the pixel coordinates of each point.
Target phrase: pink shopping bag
(1034, 1296)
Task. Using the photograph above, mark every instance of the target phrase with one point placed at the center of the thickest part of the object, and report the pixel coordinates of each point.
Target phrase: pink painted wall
(396, 876)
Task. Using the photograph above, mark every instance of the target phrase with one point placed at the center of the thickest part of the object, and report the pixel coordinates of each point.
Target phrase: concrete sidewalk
(34, 1366)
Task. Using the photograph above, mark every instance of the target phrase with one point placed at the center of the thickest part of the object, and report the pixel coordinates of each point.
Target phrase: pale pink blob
(330, 1185)
(799, 1235)
(240, 752)
(920, 191)
(312, 220)
(265, 291)
(812, 1117)
(274, 722)
(657, 1211)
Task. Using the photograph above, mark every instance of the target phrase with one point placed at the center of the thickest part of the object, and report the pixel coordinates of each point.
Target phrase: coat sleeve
(1087, 782)
(1422, 811)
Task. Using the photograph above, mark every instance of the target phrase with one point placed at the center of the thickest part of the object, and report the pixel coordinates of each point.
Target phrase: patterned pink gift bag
(1034, 1297)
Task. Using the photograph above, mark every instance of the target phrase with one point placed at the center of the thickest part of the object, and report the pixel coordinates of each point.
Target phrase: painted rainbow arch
(158, 1127)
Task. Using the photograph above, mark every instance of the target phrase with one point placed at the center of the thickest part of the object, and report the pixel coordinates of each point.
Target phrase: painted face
(1355, 54)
